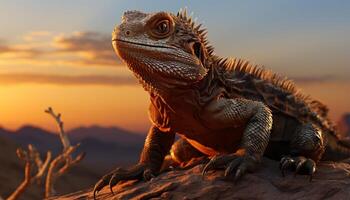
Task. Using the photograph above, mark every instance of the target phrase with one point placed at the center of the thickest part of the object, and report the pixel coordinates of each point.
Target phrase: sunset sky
(58, 53)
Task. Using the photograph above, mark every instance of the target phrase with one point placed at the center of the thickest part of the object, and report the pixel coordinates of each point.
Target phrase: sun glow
(125, 106)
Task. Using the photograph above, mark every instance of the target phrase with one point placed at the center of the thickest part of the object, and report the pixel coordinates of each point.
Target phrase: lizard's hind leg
(306, 150)
(184, 155)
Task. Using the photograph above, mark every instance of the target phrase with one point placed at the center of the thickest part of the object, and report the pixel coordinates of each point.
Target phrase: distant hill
(40, 138)
(106, 134)
(105, 147)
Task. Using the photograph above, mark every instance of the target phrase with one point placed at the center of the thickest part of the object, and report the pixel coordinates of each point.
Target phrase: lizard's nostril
(127, 32)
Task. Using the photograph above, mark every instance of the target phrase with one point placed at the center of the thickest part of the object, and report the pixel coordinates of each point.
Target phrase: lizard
(226, 110)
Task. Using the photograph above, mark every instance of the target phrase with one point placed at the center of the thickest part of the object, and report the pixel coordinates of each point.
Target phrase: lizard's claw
(101, 183)
(239, 166)
(286, 163)
(305, 166)
(217, 162)
(137, 172)
(300, 165)
(233, 164)
(233, 167)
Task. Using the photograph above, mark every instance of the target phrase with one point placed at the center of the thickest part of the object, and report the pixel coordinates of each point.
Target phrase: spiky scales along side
(279, 93)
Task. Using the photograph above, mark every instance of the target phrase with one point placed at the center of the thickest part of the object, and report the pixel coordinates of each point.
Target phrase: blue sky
(86, 14)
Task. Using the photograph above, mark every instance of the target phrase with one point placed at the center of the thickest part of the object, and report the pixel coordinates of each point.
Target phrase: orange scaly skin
(225, 109)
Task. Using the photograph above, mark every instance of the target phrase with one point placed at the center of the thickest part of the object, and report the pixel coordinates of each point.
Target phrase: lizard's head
(163, 50)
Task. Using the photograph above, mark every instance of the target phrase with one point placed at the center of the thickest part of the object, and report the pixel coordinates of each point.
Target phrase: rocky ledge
(331, 181)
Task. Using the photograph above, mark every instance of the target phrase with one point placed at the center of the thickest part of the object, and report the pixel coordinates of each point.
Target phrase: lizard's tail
(336, 149)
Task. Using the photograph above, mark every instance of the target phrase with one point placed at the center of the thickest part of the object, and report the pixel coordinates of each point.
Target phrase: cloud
(84, 41)
(8, 51)
(21, 78)
(36, 35)
(4, 47)
(78, 48)
(95, 47)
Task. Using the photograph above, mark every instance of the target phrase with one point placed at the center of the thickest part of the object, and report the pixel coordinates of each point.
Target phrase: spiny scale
(298, 104)
(243, 66)
(202, 32)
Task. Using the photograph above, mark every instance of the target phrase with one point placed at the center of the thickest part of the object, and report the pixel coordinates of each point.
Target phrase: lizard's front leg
(307, 148)
(156, 147)
(257, 119)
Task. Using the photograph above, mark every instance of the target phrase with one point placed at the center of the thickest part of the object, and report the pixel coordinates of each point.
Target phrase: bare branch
(23, 186)
(63, 161)
(56, 168)
(31, 158)
(70, 164)
(43, 167)
(63, 135)
(54, 171)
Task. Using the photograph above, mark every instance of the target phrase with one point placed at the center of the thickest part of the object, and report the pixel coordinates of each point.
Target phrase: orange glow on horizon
(123, 106)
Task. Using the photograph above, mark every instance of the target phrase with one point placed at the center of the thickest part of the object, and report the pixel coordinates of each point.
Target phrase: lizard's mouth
(137, 45)
(141, 44)
(164, 62)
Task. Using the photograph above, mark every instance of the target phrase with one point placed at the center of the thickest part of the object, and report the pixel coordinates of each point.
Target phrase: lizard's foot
(300, 165)
(137, 172)
(194, 162)
(233, 164)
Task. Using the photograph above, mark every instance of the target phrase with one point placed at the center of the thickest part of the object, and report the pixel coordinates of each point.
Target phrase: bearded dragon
(228, 110)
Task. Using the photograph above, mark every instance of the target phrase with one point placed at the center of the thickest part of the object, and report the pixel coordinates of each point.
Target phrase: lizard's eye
(161, 29)
(160, 26)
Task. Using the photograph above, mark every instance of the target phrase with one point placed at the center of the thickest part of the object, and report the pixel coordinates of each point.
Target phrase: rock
(331, 181)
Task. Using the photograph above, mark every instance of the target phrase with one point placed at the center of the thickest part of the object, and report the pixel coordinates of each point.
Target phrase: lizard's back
(245, 80)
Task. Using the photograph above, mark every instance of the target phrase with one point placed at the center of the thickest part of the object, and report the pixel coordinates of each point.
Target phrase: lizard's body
(224, 109)
(209, 138)
(197, 122)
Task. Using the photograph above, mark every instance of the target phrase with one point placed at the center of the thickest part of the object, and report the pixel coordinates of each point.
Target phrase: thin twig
(23, 186)
(31, 158)
(63, 161)
(63, 135)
